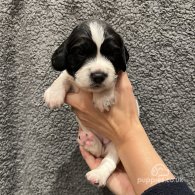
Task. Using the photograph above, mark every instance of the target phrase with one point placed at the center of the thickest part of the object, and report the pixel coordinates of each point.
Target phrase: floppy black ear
(59, 57)
(126, 55)
(125, 59)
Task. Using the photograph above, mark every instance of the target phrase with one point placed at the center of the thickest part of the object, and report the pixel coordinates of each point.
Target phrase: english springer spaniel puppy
(90, 59)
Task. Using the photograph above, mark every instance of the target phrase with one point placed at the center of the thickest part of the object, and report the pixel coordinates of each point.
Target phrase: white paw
(104, 101)
(54, 96)
(97, 177)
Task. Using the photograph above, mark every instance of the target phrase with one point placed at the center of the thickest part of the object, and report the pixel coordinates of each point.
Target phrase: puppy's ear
(59, 57)
(126, 55)
(125, 59)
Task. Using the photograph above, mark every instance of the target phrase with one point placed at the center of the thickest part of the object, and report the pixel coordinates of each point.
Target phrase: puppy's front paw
(54, 96)
(97, 177)
(104, 101)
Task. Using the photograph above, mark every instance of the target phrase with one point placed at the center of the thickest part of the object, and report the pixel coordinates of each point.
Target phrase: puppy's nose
(98, 77)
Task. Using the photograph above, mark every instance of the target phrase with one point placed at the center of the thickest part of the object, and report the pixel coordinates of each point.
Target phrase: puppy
(90, 59)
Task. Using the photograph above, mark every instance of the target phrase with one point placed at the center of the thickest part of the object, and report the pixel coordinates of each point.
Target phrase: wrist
(128, 131)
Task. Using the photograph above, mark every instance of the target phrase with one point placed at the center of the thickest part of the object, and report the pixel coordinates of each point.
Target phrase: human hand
(115, 124)
(118, 182)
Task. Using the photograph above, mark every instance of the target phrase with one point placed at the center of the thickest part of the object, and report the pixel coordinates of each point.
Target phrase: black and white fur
(90, 59)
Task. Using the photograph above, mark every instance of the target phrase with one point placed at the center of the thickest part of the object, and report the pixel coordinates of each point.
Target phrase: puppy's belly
(91, 142)
(103, 139)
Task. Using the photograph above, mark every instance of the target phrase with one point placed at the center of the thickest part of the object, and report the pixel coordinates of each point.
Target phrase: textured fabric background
(38, 150)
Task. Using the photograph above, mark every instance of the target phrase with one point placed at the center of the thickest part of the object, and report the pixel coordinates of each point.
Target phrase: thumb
(76, 99)
(72, 99)
(90, 160)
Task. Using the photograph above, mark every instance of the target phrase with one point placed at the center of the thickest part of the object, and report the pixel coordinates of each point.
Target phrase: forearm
(140, 159)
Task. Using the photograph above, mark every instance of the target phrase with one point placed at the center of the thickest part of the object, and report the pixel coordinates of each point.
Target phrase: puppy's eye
(77, 51)
(81, 53)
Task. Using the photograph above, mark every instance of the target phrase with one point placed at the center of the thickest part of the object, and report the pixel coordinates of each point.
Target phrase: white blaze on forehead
(97, 33)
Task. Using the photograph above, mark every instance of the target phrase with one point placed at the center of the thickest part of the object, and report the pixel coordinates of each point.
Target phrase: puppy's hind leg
(100, 175)
(89, 141)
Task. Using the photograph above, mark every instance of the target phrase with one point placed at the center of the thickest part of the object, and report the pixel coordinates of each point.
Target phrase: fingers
(123, 81)
(90, 160)
(124, 85)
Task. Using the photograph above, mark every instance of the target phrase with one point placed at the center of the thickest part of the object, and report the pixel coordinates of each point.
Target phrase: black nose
(98, 77)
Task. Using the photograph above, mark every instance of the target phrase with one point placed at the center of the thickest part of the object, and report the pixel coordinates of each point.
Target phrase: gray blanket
(38, 150)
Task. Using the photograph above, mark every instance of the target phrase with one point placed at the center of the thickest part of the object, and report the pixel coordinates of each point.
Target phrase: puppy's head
(93, 54)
